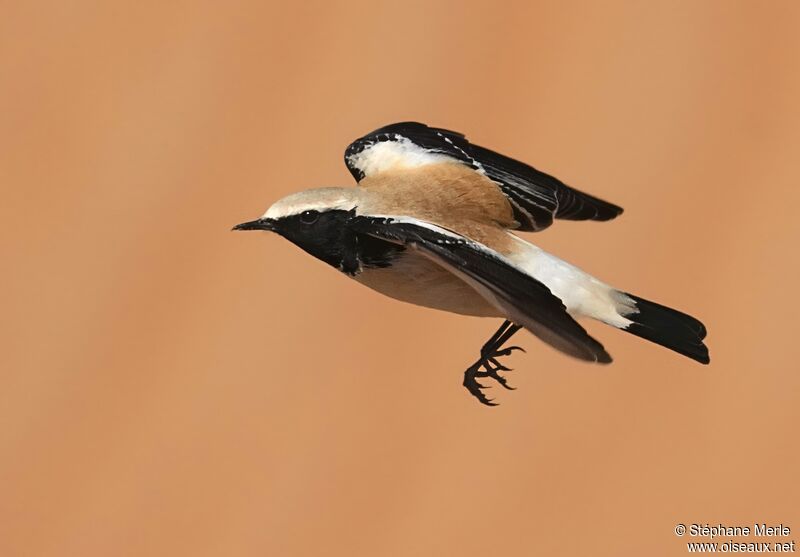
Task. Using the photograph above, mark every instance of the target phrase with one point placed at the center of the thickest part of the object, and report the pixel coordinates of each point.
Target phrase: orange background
(170, 388)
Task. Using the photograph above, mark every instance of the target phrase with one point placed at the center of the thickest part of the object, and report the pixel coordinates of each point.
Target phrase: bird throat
(331, 240)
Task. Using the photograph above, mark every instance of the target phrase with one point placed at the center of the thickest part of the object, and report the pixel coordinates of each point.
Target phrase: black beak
(259, 224)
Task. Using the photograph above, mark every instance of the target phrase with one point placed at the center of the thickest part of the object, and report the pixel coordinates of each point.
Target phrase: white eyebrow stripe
(278, 212)
(319, 199)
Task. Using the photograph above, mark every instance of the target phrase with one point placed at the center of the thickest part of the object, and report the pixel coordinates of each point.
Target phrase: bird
(435, 220)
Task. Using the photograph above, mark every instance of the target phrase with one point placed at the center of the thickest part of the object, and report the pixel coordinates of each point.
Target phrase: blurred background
(170, 388)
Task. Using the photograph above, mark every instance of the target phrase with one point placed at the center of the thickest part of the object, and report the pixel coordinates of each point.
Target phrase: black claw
(504, 382)
(508, 351)
(475, 388)
(492, 372)
(476, 392)
(490, 353)
(498, 366)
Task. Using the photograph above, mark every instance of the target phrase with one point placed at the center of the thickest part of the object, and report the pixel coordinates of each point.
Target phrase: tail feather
(669, 328)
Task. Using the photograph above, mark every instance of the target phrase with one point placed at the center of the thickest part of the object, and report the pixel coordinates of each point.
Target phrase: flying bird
(434, 222)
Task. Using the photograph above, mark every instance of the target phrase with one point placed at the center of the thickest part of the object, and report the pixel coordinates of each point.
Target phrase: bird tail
(668, 327)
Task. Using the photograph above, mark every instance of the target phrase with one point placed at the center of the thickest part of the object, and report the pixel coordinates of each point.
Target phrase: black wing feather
(530, 303)
(535, 196)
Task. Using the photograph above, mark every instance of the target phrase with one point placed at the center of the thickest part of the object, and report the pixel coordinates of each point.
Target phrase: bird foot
(487, 366)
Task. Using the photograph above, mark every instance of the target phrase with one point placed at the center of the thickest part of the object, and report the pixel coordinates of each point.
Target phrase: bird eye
(309, 217)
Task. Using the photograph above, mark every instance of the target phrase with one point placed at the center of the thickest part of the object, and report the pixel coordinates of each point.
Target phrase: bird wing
(536, 197)
(525, 300)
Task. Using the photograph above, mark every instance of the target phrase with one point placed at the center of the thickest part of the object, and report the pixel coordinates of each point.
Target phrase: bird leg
(488, 366)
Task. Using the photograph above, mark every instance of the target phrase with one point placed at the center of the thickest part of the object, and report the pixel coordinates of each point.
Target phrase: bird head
(314, 220)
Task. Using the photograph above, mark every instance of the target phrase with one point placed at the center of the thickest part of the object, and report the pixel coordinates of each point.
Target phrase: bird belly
(416, 279)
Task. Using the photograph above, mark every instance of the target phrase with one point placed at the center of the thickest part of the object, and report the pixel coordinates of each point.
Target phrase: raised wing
(523, 299)
(536, 197)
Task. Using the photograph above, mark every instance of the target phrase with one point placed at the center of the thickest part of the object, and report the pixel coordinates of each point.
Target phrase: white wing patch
(401, 152)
